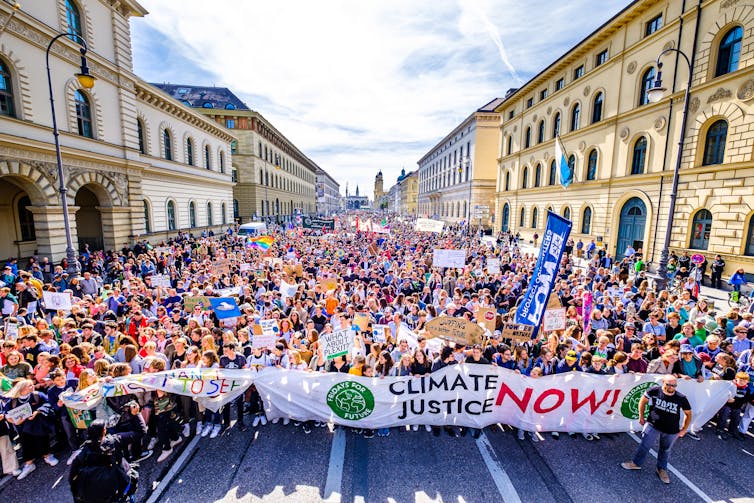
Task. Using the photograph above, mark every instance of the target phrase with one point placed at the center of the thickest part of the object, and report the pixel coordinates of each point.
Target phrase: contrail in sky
(494, 34)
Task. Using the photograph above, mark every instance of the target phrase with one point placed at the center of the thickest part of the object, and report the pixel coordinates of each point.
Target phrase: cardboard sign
(361, 320)
(553, 302)
(220, 267)
(555, 319)
(429, 225)
(336, 343)
(245, 266)
(58, 301)
(329, 284)
(265, 336)
(294, 270)
(11, 330)
(190, 302)
(160, 280)
(442, 257)
(81, 419)
(21, 412)
(488, 317)
(269, 327)
(457, 330)
(373, 250)
(493, 266)
(380, 333)
(517, 332)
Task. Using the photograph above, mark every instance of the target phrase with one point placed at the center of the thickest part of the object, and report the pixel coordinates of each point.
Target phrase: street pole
(654, 95)
(87, 82)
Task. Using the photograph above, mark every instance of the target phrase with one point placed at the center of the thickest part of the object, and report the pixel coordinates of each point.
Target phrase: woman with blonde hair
(208, 344)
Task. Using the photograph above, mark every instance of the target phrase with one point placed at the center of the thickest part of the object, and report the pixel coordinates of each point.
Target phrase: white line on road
(675, 472)
(501, 479)
(174, 469)
(335, 468)
(747, 452)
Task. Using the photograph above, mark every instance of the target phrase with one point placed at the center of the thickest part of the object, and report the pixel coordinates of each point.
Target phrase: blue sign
(225, 307)
(533, 303)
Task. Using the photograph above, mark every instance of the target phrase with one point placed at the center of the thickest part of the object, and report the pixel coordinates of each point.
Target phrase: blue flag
(564, 171)
(532, 306)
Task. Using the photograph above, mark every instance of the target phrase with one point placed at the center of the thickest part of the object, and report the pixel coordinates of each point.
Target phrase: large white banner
(442, 257)
(464, 395)
(429, 225)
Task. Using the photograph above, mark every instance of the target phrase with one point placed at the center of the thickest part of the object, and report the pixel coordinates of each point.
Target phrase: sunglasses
(671, 385)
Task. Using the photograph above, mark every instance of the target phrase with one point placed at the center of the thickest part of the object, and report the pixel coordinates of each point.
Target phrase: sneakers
(415, 427)
(175, 442)
(51, 460)
(307, 428)
(587, 436)
(144, 455)
(152, 443)
(215, 431)
(199, 427)
(520, 434)
(72, 457)
(663, 474)
(427, 428)
(165, 454)
(534, 437)
(368, 433)
(207, 429)
(630, 465)
(26, 470)
(286, 421)
(15, 473)
(693, 436)
(555, 435)
(255, 422)
(263, 420)
(276, 420)
(186, 430)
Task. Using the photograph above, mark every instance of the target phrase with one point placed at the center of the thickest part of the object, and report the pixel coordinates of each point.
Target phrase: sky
(361, 86)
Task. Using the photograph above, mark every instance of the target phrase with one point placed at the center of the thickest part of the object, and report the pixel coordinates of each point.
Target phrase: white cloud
(360, 86)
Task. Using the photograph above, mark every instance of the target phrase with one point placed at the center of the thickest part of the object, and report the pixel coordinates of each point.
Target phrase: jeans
(167, 430)
(648, 439)
(748, 417)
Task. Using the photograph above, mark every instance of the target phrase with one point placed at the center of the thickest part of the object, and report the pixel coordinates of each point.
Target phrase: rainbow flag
(262, 242)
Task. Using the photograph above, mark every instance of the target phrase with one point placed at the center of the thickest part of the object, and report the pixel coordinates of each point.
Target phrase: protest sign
(160, 280)
(318, 223)
(269, 327)
(244, 266)
(488, 316)
(429, 225)
(361, 320)
(163, 250)
(555, 319)
(493, 266)
(11, 330)
(220, 267)
(232, 291)
(190, 302)
(517, 332)
(336, 343)
(380, 333)
(225, 307)
(81, 419)
(442, 257)
(328, 284)
(287, 289)
(58, 301)
(265, 334)
(456, 330)
(19, 413)
(294, 270)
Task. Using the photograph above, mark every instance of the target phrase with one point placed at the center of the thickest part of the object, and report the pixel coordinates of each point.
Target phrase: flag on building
(561, 162)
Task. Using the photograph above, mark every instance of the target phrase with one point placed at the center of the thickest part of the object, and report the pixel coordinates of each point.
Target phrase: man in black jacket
(717, 271)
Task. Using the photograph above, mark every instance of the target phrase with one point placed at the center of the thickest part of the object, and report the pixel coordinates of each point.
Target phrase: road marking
(501, 479)
(335, 468)
(174, 470)
(747, 452)
(675, 472)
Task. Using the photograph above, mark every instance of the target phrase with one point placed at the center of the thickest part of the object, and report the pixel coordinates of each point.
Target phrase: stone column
(50, 230)
(116, 226)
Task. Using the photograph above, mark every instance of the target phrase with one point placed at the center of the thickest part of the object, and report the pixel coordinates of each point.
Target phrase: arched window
(167, 141)
(507, 180)
(147, 218)
(567, 213)
(73, 18)
(230, 106)
(222, 162)
(209, 214)
(538, 175)
(525, 178)
(551, 179)
(749, 250)
(522, 220)
(192, 214)
(223, 214)
(556, 125)
(639, 156)
(171, 216)
(647, 81)
(83, 115)
(591, 166)
(541, 132)
(575, 116)
(207, 161)
(701, 227)
(26, 219)
(714, 143)
(527, 137)
(140, 134)
(572, 164)
(586, 221)
(208, 104)
(510, 145)
(534, 214)
(6, 91)
(189, 151)
(505, 217)
(597, 107)
(235, 209)
(729, 52)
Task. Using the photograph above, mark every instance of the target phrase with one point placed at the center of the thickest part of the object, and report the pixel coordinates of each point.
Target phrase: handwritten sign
(328, 284)
(336, 343)
(442, 257)
(294, 270)
(190, 302)
(555, 319)
(58, 301)
(361, 320)
(380, 333)
(21, 412)
(456, 330)
(493, 266)
(518, 332)
(11, 330)
(160, 280)
(220, 267)
(429, 225)
(488, 317)
(265, 334)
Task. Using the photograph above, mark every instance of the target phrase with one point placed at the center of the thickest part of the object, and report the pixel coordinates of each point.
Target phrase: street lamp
(654, 95)
(466, 163)
(87, 82)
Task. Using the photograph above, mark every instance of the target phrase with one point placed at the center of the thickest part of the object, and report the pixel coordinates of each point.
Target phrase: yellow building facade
(409, 194)
(623, 148)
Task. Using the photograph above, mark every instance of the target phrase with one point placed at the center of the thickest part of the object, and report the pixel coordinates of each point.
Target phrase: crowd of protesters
(121, 324)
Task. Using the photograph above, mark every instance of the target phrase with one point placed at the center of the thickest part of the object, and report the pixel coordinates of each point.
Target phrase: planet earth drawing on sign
(350, 400)
(630, 405)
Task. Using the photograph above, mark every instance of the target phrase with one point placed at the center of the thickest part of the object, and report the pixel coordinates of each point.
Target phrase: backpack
(102, 479)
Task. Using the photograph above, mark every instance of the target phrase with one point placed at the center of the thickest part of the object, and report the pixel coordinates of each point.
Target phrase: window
(171, 216)
(578, 72)
(26, 219)
(83, 115)
(147, 218)
(527, 137)
(192, 214)
(597, 107)
(567, 213)
(208, 104)
(511, 114)
(542, 94)
(223, 215)
(556, 125)
(749, 250)
(714, 143)
(510, 145)
(591, 166)
(6, 92)
(525, 178)
(507, 180)
(73, 17)
(700, 230)
(639, 156)
(235, 209)
(222, 162)
(189, 151)
(522, 220)
(209, 214)
(552, 175)
(207, 161)
(601, 58)
(647, 81)
(538, 175)
(559, 84)
(534, 218)
(575, 115)
(167, 141)
(586, 221)
(541, 132)
(230, 106)
(234, 148)
(653, 25)
(230, 123)
(572, 164)
(729, 52)
(140, 135)
(530, 103)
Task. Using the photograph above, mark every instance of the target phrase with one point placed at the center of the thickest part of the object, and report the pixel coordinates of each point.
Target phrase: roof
(491, 106)
(204, 97)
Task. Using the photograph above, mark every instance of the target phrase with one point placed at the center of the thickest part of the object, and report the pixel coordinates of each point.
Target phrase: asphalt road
(281, 463)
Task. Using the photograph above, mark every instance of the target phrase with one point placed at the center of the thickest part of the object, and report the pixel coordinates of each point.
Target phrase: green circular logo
(350, 400)
(630, 406)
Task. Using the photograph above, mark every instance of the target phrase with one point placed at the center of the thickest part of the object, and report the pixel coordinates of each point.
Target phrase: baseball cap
(686, 348)
(571, 355)
(630, 324)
